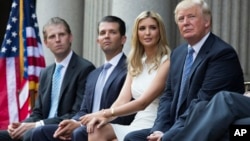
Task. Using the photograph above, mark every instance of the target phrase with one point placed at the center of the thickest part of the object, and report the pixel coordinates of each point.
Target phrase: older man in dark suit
(111, 38)
(214, 66)
(51, 107)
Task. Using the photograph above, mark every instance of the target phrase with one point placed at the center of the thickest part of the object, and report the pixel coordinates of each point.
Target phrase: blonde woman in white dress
(148, 66)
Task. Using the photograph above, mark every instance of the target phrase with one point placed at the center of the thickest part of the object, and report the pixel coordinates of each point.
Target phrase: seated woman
(148, 67)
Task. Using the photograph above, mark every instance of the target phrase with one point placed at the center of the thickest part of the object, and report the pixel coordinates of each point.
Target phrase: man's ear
(124, 38)
(71, 38)
(45, 42)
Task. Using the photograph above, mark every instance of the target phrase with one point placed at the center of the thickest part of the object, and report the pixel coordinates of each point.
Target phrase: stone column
(71, 11)
(94, 11)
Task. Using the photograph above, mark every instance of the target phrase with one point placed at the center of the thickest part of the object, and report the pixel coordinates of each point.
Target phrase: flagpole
(21, 46)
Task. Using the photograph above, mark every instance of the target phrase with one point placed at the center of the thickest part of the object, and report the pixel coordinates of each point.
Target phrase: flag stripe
(4, 118)
(24, 94)
(12, 89)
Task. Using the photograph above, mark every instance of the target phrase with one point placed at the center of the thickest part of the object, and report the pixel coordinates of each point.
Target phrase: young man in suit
(75, 69)
(111, 38)
(210, 72)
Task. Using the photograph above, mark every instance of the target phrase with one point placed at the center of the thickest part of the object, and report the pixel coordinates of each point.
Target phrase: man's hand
(156, 136)
(12, 127)
(65, 129)
(16, 130)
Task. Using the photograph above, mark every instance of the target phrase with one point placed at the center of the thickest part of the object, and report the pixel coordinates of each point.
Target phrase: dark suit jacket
(110, 92)
(215, 68)
(71, 93)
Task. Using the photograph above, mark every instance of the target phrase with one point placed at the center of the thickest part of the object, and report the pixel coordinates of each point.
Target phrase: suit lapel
(69, 72)
(183, 54)
(49, 74)
(115, 73)
(93, 80)
(203, 52)
(182, 57)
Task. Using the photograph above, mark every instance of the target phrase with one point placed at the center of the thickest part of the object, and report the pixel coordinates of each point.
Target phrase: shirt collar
(198, 45)
(65, 61)
(114, 61)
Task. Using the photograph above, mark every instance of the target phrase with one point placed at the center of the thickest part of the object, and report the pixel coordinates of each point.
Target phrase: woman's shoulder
(164, 58)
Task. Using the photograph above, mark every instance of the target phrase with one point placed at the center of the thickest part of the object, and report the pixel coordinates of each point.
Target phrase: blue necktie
(99, 87)
(55, 92)
(185, 74)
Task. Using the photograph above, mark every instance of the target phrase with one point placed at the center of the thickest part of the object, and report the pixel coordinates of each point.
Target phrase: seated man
(111, 38)
(59, 101)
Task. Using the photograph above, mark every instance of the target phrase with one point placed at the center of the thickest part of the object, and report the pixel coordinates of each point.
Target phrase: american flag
(21, 60)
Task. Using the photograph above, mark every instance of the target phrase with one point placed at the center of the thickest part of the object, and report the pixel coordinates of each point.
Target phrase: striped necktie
(55, 92)
(185, 75)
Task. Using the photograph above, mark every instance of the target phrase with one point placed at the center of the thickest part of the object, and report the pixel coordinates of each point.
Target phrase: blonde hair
(184, 4)
(56, 21)
(135, 65)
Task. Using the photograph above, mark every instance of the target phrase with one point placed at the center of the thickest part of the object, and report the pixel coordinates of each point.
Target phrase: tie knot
(107, 66)
(190, 50)
(59, 67)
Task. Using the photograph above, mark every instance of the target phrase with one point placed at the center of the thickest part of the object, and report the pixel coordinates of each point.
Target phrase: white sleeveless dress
(145, 118)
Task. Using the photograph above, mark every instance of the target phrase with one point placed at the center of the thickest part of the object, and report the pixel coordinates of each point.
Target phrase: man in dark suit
(58, 38)
(215, 67)
(111, 38)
